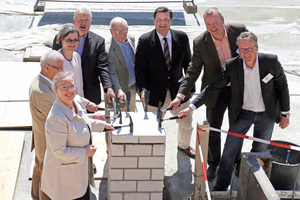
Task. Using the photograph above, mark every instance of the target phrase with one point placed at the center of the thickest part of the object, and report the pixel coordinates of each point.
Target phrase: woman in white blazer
(67, 169)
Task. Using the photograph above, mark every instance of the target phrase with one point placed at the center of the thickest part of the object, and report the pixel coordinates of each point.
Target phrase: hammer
(118, 127)
(160, 120)
(159, 111)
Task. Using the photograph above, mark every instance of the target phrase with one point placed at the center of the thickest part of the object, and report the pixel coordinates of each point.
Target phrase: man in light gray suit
(120, 55)
(41, 98)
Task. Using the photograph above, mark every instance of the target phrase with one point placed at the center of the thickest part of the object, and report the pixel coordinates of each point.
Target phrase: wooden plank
(11, 147)
(199, 178)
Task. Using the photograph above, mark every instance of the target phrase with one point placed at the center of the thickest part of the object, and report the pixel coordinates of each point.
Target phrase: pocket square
(267, 78)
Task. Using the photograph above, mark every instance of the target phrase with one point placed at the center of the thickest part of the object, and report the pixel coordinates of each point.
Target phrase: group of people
(65, 95)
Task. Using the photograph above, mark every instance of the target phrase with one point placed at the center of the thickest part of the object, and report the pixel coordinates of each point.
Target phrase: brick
(138, 150)
(150, 186)
(137, 174)
(124, 139)
(157, 174)
(116, 150)
(123, 162)
(117, 196)
(159, 150)
(115, 174)
(123, 186)
(136, 196)
(149, 139)
(151, 162)
(156, 196)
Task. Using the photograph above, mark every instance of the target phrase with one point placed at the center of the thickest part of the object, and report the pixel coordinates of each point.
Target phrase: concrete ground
(276, 23)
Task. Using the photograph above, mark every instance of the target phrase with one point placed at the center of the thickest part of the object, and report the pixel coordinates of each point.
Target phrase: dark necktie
(167, 53)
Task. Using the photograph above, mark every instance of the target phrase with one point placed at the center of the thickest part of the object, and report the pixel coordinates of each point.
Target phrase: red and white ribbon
(255, 139)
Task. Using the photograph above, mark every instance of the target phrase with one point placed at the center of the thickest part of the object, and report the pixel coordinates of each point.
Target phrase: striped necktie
(167, 53)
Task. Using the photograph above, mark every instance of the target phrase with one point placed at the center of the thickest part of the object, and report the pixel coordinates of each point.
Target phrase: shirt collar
(168, 36)
(120, 43)
(47, 79)
(218, 41)
(255, 65)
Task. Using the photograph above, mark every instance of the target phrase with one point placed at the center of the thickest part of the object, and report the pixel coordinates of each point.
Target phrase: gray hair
(247, 36)
(51, 56)
(82, 10)
(61, 75)
(65, 31)
(117, 20)
(211, 10)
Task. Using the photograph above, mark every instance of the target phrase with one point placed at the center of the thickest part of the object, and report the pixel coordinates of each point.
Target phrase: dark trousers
(263, 128)
(214, 117)
(86, 196)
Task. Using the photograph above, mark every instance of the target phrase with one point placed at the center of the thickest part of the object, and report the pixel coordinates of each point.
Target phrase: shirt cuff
(192, 106)
(180, 96)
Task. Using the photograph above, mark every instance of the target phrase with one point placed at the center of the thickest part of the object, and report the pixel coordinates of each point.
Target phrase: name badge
(267, 78)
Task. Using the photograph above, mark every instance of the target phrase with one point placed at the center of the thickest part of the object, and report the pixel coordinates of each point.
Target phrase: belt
(250, 111)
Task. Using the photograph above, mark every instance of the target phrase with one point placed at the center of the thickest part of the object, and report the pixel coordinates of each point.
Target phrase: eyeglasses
(70, 41)
(162, 20)
(67, 88)
(125, 30)
(59, 69)
(248, 49)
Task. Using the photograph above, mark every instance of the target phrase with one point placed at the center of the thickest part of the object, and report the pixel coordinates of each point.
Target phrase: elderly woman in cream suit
(68, 160)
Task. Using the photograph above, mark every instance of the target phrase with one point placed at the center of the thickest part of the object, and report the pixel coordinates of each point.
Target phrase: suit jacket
(275, 92)
(41, 98)
(94, 66)
(117, 65)
(150, 66)
(206, 55)
(66, 167)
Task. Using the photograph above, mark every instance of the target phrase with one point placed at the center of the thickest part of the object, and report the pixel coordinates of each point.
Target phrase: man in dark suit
(211, 49)
(161, 56)
(260, 96)
(91, 48)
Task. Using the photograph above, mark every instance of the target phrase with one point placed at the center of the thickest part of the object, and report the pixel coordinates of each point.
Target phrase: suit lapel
(240, 72)
(157, 47)
(86, 46)
(212, 51)
(232, 40)
(175, 47)
(117, 50)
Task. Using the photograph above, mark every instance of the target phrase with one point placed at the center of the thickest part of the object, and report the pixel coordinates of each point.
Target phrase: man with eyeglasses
(211, 49)
(259, 97)
(94, 64)
(161, 57)
(41, 99)
(120, 55)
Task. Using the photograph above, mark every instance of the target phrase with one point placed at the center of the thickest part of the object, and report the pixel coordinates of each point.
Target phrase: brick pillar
(136, 160)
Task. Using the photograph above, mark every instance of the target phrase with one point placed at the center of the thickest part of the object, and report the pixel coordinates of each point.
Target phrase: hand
(92, 107)
(90, 150)
(185, 112)
(191, 94)
(143, 97)
(99, 115)
(109, 127)
(284, 122)
(110, 94)
(175, 103)
(122, 96)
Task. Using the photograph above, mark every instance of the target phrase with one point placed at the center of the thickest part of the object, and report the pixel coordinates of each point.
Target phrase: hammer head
(131, 124)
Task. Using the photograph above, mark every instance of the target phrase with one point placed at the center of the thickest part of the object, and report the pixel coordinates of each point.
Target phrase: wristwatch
(287, 115)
